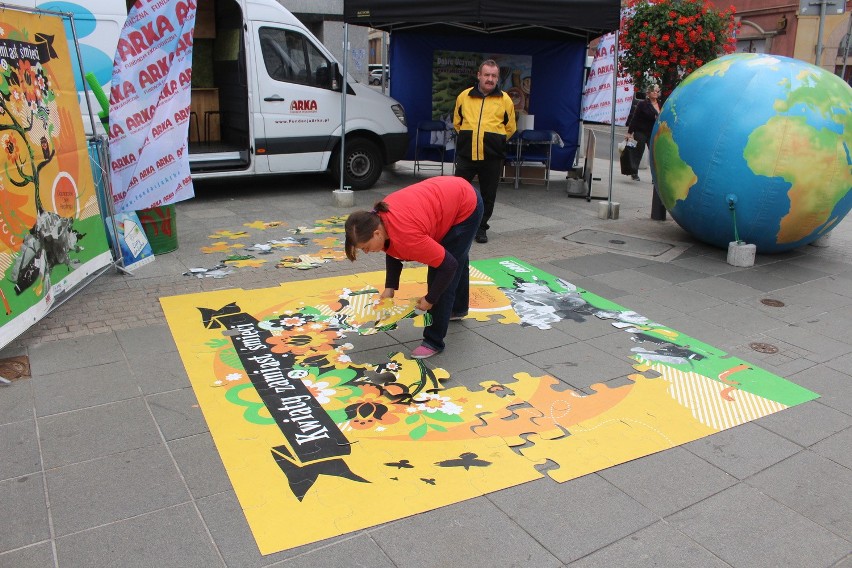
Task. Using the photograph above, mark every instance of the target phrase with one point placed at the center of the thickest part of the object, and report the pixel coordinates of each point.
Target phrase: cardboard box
(530, 174)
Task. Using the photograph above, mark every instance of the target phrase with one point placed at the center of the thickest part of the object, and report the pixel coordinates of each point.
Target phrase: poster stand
(58, 294)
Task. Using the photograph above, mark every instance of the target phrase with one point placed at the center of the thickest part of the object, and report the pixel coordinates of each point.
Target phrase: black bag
(630, 158)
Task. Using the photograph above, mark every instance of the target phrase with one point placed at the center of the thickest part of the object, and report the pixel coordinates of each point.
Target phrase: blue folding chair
(535, 146)
(431, 140)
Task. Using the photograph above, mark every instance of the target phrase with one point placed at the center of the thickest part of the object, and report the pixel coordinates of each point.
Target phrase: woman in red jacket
(432, 222)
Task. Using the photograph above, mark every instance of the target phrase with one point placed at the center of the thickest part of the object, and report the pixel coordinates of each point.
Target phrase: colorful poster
(315, 427)
(51, 232)
(149, 106)
(455, 71)
(135, 249)
(597, 94)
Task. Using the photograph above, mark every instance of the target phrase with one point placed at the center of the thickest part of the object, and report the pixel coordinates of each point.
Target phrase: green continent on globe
(677, 176)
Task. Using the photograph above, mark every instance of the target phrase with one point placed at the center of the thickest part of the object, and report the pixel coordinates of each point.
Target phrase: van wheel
(363, 163)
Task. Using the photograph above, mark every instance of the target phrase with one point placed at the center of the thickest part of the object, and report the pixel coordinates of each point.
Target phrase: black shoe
(481, 237)
(636, 177)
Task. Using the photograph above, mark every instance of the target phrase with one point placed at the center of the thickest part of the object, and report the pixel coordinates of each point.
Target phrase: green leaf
(444, 417)
(411, 419)
(418, 432)
(438, 427)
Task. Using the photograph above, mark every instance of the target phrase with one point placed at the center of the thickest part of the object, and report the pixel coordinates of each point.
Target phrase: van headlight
(400, 113)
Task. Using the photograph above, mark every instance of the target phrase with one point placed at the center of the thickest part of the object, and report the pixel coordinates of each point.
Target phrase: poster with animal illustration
(52, 235)
(321, 435)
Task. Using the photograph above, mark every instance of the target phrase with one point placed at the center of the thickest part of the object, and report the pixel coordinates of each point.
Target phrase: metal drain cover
(614, 241)
(772, 303)
(763, 347)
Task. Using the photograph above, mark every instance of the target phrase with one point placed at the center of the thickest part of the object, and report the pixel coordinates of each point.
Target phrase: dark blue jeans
(456, 297)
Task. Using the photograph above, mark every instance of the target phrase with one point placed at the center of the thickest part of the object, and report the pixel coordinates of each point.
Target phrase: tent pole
(343, 91)
(612, 125)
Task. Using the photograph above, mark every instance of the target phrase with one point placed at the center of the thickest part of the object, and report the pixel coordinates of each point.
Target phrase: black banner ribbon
(314, 443)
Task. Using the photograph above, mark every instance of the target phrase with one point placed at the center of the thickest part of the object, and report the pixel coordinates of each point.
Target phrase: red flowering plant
(663, 41)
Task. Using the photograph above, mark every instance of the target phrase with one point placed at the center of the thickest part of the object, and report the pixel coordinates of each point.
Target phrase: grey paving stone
(113, 488)
(227, 524)
(24, 512)
(548, 511)
(162, 373)
(722, 288)
(806, 424)
(174, 536)
(89, 433)
(586, 327)
(19, 449)
(669, 272)
(593, 264)
(834, 387)
(16, 401)
(705, 332)
(75, 353)
(465, 351)
(747, 529)
(657, 546)
(840, 284)
(83, 387)
(682, 299)
(792, 271)
(598, 287)
(842, 364)
(36, 556)
(702, 263)
(200, 465)
(819, 348)
(668, 481)
(739, 319)
(177, 413)
(498, 371)
(580, 364)
(525, 340)
(812, 485)
(359, 550)
(833, 322)
(836, 448)
(744, 450)
(146, 342)
(759, 280)
(652, 310)
(479, 534)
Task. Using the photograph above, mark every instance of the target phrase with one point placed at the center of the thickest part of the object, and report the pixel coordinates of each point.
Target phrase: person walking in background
(432, 222)
(484, 119)
(641, 123)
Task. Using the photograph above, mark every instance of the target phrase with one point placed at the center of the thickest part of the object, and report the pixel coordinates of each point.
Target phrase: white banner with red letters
(597, 95)
(149, 105)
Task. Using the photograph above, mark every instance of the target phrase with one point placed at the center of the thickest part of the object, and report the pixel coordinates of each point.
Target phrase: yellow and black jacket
(483, 124)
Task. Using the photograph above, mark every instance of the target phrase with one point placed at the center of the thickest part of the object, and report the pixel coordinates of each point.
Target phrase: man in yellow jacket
(484, 119)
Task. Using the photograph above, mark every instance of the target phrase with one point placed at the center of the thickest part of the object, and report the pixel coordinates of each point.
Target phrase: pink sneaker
(423, 352)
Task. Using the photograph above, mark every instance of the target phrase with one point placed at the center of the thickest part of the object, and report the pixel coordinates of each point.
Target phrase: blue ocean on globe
(756, 148)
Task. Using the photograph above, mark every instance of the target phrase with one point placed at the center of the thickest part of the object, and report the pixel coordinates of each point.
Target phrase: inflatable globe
(756, 148)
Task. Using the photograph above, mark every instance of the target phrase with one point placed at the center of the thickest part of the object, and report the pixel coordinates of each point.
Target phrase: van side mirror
(335, 77)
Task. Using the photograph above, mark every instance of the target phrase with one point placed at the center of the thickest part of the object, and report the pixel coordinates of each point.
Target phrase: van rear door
(299, 111)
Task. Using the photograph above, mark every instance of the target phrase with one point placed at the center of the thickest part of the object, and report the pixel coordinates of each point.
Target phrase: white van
(266, 96)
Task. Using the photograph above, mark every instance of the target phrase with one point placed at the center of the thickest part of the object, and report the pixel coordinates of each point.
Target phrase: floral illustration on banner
(664, 41)
(33, 134)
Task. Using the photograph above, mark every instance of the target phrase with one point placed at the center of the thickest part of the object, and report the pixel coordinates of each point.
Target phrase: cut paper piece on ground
(330, 248)
(309, 430)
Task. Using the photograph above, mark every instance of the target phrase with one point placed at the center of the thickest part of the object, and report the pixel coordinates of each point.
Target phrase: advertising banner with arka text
(52, 235)
(597, 95)
(149, 105)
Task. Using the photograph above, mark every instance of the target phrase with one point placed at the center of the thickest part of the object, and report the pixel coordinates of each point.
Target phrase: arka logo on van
(308, 105)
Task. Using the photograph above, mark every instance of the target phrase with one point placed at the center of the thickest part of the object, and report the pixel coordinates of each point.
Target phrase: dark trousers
(658, 210)
(489, 171)
(456, 297)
